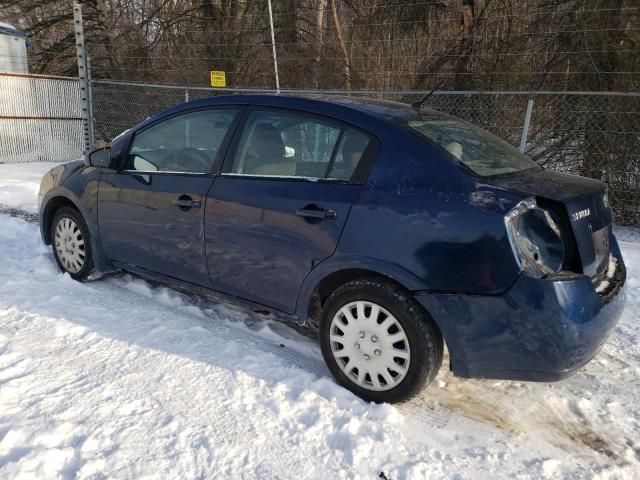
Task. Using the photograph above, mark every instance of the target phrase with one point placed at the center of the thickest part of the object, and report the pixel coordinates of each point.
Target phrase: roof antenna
(417, 106)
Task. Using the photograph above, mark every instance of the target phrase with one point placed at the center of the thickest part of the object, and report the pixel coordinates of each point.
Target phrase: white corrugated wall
(40, 119)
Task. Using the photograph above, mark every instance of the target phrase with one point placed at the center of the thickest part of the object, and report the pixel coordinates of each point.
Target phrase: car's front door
(151, 211)
(280, 205)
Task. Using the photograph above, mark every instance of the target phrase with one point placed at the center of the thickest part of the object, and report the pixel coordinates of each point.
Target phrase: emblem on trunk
(580, 214)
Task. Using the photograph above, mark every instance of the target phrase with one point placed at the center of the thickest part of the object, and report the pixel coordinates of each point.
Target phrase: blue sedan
(389, 229)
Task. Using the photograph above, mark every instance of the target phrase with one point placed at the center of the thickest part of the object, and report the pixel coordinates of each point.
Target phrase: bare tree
(343, 47)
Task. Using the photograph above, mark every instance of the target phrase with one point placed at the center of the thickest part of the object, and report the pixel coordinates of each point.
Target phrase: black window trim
(359, 176)
(334, 153)
(220, 156)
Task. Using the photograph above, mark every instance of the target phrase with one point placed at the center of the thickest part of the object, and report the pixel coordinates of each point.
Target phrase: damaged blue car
(390, 229)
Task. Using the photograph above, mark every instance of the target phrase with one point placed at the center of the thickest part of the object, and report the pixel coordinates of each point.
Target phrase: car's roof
(365, 104)
(375, 107)
(368, 113)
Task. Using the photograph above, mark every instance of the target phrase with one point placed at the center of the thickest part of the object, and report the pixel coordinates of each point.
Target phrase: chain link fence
(591, 134)
(40, 118)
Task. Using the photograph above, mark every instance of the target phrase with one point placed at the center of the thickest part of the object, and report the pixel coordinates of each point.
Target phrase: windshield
(479, 150)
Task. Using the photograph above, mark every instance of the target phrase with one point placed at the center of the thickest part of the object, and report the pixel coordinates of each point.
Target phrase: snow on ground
(19, 184)
(119, 378)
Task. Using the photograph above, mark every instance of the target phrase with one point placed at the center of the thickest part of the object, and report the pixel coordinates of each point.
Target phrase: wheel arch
(326, 278)
(331, 282)
(52, 206)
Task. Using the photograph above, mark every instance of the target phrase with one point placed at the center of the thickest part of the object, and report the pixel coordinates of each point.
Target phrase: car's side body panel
(258, 248)
(73, 181)
(140, 225)
(77, 185)
(440, 230)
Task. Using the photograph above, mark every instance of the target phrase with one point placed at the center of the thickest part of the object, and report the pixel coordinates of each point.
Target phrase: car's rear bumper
(539, 330)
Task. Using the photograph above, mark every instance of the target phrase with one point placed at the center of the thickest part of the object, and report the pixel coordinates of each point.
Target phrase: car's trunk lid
(590, 218)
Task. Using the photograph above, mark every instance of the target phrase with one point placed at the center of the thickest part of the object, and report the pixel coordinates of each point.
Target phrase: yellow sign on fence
(218, 78)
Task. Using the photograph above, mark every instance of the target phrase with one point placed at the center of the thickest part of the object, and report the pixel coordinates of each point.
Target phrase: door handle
(185, 202)
(316, 213)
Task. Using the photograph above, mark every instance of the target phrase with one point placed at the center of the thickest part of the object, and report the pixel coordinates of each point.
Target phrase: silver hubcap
(69, 245)
(369, 345)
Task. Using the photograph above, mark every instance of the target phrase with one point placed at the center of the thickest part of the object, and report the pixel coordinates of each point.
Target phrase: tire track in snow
(14, 212)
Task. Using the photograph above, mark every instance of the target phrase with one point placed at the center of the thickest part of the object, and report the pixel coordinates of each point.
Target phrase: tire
(70, 240)
(384, 340)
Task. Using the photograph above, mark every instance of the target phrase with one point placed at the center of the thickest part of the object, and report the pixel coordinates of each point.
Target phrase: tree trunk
(346, 66)
(321, 5)
(462, 79)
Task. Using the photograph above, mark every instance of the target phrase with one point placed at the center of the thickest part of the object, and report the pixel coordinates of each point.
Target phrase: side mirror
(100, 158)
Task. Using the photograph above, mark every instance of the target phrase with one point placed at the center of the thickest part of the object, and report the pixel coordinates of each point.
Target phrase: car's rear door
(280, 205)
(151, 211)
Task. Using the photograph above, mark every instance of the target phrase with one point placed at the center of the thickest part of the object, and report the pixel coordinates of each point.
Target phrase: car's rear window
(484, 153)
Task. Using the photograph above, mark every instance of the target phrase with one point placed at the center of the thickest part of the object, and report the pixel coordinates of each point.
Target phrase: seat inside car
(265, 154)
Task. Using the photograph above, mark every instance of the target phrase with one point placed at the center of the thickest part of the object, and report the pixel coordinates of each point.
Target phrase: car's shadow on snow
(131, 309)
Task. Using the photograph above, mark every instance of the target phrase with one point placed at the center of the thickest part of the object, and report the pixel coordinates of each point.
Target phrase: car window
(479, 150)
(352, 148)
(187, 143)
(285, 145)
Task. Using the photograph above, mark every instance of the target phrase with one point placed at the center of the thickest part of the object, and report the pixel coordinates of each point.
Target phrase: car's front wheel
(70, 242)
(378, 342)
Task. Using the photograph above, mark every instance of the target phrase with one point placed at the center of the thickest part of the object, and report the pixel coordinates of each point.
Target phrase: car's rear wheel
(378, 342)
(70, 243)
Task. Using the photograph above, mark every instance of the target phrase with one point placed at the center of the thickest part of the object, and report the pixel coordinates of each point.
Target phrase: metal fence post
(525, 127)
(92, 124)
(186, 94)
(273, 48)
(82, 73)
